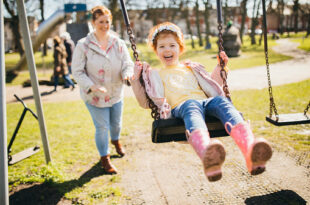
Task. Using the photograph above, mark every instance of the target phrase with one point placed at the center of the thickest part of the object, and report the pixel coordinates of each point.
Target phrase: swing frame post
(33, 77)
(4, 190)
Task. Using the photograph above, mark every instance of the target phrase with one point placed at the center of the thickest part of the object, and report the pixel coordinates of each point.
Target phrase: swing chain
(307, 108)
(272, 106)
(222, 63)
(154, 113)
(132, 42)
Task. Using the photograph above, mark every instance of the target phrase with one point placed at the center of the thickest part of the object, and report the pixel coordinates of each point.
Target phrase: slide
(43, 32)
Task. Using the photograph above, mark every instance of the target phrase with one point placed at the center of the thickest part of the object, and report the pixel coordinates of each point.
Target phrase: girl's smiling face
(168, 49)
(102, 23)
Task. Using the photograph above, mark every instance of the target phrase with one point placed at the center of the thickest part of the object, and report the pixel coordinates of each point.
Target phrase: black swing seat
(174, 130)
(289, 119)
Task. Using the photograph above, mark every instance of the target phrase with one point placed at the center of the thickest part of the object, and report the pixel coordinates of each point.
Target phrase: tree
(207, 25)
(188, 23)
(11, 7)
(295, 12)
(198, 23)
(254, 21)
(243, 17)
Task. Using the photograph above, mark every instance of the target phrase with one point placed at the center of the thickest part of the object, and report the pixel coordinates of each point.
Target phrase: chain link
(133, 43)
(222, 63)
(154, 113)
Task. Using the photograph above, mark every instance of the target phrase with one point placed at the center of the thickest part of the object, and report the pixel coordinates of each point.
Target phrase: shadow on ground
(53, 192)
(279, 197)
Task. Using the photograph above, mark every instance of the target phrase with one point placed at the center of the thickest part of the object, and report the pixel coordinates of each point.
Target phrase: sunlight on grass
(75, 172)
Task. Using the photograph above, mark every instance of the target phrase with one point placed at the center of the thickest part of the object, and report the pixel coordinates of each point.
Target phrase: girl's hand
(224, 57)
(98, 88)
(137, 70)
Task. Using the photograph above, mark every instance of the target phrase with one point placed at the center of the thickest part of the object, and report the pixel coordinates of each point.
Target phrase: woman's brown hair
(99, 11)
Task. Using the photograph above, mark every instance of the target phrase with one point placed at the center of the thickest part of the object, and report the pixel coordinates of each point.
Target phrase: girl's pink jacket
(210, 84)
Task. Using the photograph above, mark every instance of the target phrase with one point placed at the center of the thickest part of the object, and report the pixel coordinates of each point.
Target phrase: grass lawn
(73, 150)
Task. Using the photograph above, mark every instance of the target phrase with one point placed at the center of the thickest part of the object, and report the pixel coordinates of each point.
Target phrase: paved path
(285, 72)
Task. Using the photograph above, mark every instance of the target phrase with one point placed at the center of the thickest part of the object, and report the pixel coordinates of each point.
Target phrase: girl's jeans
(193, 112)
(106, 119)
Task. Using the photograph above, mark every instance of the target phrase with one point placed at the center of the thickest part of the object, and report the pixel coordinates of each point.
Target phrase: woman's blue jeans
(193, 112)
(106, 119)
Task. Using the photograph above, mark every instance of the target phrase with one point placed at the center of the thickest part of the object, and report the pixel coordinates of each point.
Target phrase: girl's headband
(168, 28)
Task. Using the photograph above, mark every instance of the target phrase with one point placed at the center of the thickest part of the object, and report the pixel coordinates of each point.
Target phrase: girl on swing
(187, 91)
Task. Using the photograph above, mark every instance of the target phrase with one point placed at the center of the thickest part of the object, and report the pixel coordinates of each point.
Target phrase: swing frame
(167, 130)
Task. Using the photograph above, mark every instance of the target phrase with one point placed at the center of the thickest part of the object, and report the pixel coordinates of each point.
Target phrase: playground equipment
(12, 159)
(283, 119)
(77, 30)
(174, 129)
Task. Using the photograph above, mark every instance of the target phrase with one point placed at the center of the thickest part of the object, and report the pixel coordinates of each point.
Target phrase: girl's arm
(216, 74)
(137, 88)
(79, 67)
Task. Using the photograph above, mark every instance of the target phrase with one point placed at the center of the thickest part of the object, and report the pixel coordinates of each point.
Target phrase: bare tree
(11, 7)
(295, 12)
(207, 25)
(243, 17)
(188, 23)
(198, 23)
(255, 21)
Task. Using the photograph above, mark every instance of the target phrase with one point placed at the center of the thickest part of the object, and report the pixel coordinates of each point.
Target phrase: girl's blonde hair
(98, 11)
(163, 29)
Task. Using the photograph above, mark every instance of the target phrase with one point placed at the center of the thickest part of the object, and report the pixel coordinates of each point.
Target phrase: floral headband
(168, 28)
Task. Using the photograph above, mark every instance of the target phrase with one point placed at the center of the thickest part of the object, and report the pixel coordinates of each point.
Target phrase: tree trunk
(44, 50)
(295, 11)
(308, 27)
(188, 26)
(244, 15)
(17, 35)
(207, 25)
(198, 23)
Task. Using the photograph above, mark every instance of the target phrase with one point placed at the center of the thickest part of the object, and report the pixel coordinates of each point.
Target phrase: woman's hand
(224, 57)
(98, 88)
(137, 70)
(58, 68)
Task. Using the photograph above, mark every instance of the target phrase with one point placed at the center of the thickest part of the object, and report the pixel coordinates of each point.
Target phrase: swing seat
(289, 119)
(12, 159)
(174, 130)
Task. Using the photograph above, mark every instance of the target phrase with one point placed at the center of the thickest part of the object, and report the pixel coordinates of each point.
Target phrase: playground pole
(33, 75)
(4, 191)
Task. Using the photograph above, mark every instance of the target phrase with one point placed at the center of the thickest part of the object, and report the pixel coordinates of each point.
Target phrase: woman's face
(168, 49)
(102, 24)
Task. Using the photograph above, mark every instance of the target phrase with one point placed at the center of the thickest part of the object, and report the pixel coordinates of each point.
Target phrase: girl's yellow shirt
(180, 85)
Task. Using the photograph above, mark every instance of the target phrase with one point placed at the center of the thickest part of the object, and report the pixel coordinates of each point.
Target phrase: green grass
(304, 43)
(75, 173)
(12, 59)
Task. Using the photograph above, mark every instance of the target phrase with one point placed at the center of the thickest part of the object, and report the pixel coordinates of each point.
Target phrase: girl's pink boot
(211, 152)
(256, 151)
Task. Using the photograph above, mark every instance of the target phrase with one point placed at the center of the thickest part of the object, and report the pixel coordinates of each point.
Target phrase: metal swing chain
(272, 106)
(154, 113)
(222, 63)
(133, 43)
